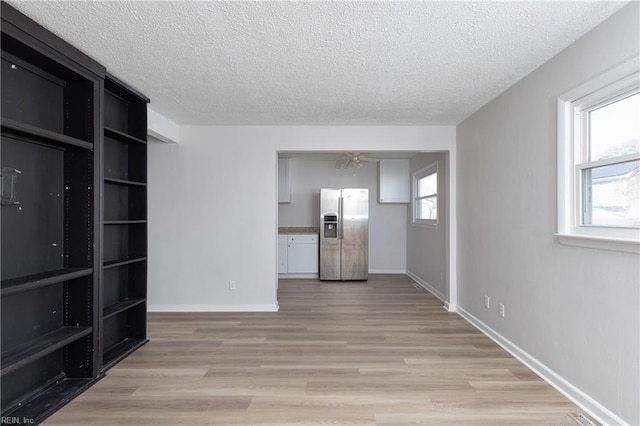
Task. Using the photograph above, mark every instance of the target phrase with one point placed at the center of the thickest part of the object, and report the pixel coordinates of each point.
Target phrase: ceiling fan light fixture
(355, 160)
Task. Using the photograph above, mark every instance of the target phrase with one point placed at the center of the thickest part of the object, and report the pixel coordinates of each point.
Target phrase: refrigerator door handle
(340, 221)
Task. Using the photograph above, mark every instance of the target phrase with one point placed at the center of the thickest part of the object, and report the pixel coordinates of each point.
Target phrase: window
(599, 161)
(425, 196)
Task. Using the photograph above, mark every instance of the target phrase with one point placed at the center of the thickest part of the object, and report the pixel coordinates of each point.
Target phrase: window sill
(602, 243)
(425, 225)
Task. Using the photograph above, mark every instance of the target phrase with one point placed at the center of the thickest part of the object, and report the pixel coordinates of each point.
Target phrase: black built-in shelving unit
(124, 287)
(73, 220)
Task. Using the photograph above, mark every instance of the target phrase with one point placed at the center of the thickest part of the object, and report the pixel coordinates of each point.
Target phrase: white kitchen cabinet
(299, 254)
(302, 254)
(394, 181)
(282, 253)
(284, 182)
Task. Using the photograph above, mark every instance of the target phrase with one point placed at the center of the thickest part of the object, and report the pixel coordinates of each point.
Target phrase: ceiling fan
(354, 160)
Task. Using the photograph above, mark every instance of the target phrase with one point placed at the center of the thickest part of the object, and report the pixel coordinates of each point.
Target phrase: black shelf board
(120, 350)
(31, 282)
(40, 347)
(123, 182)
(122, 262)
(124, 222)
(42, 135)
(122, 136)
(50, 399)
(122, 306)
(33, 394)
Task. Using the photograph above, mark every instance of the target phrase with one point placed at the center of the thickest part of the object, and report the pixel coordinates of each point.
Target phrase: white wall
(573, 311)
(213, 207)
(387, 222)
(427, 247)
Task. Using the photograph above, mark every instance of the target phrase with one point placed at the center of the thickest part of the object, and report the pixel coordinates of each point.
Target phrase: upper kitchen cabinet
(394, 181)
(284, 182)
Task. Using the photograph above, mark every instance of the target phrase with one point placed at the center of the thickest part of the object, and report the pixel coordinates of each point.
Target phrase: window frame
(422, 173)
(573, 109)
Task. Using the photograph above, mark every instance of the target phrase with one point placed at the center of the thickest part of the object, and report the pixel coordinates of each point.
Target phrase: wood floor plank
(371, 353)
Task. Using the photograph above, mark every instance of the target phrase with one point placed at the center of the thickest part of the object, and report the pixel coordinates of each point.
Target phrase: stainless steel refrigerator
(344, 234)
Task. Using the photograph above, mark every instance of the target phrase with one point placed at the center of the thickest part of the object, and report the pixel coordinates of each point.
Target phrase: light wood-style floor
(366, 353)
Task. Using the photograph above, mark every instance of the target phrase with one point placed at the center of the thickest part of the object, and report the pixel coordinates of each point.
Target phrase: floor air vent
(418, 286)
(581, 419)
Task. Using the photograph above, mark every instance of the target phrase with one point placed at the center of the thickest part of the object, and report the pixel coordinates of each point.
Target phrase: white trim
(452, 230)
(213, 308)
(388, 271)
(450, 307)
(298, 276)
(571, 159)
(431, 289)
(316, 276)
(619, 72)
(422, 224)
(584, 401)
(608, 161)
(429, 169)
(594, 242)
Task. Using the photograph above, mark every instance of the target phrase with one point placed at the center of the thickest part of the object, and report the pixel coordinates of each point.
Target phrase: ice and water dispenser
(330, 226)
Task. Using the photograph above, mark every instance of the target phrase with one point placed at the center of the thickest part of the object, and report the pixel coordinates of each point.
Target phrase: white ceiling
(319, 62)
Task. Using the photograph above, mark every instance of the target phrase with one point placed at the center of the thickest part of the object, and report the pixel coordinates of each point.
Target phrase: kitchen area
(386, 184)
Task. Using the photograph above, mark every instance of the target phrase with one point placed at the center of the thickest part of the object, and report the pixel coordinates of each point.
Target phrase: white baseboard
(431, 289)
(581, 399)
(387, 271)
(450, 307)
(298, 276)
(316, 276)
(213, 308)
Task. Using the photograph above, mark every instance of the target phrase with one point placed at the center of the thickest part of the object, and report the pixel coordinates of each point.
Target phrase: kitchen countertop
(298, 230)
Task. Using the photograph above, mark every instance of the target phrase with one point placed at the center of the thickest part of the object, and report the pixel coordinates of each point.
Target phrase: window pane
(611, 195)
(427, 208)
(614, 130)
(428, 185)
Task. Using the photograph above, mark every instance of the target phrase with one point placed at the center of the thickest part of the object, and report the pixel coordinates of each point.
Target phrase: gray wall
(427, 247)
(575, 310)
(387, 222)
(213, 212)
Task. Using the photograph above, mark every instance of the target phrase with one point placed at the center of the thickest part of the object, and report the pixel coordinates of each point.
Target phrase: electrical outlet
(487, 302)
(232, 285)
(501, 309)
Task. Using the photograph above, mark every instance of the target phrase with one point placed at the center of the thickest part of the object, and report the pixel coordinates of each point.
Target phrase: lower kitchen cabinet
(302, 254)
(299, 255)
(282, 253)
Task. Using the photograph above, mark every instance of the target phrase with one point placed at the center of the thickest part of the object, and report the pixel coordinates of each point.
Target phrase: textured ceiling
(319, 62)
